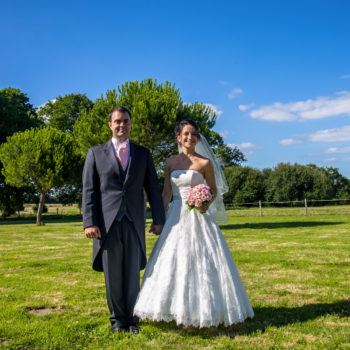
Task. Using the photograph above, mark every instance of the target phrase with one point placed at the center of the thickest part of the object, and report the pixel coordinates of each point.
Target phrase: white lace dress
(190, 276)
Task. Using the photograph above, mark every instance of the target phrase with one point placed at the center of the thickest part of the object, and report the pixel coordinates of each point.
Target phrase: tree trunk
(40, 208)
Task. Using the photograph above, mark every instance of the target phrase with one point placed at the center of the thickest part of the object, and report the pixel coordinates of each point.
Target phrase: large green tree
(291, 182)
(340, 184)
(246, 185)
(42, 158)
(284, 183)
(16, 114)
(155, 109)
(91, 128)
(229, 156)
(63, 112)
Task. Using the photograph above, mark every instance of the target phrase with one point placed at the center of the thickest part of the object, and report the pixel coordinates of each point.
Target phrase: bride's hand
(204, 208)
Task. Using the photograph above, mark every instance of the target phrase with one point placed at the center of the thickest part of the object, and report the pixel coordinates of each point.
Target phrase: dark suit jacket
(104, 193)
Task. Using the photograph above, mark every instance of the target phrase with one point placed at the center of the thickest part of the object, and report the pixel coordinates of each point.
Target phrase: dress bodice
(182, 180)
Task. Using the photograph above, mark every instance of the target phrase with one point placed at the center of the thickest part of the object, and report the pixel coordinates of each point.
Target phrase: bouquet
(198, 196)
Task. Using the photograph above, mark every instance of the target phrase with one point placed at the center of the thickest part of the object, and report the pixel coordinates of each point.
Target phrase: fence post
(260, 208)
(305, 206)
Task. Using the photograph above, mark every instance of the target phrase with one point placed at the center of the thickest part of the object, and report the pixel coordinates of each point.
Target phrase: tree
(317, 182)
(155, 109)
(91, 128)
(38, 158)
(293, 182)
(340, 184)
(67, 194)
(63, 112)
(11, 199)
(16, 114)
(229, 156)
(246, 185)
(284, 184)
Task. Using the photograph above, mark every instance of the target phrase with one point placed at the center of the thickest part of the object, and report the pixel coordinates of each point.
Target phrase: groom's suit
(113, 200)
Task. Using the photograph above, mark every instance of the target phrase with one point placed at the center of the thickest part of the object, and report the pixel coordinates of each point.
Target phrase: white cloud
(224, 83)
(244, 108)
(330, 160)
(234, 93)
(275, 112)
(331, 135)
(290, 141)
(224, 133)
(332, 150)
(246, 147)
(215, 108)
(345, 76)
(321, 107)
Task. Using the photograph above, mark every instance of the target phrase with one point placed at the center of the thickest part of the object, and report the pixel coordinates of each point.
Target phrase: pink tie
(122, 154)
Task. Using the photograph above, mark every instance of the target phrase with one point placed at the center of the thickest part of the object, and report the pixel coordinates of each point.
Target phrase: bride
(190, 276)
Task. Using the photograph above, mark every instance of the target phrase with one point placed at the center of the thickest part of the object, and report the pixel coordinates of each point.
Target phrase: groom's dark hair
(120, 109)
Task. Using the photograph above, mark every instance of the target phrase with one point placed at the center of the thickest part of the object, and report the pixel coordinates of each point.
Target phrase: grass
(295, 269)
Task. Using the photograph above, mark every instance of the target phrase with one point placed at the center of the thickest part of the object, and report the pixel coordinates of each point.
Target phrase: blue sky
(277, 72)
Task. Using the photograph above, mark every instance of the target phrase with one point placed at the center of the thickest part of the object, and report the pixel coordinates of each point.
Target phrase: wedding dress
(190, 276)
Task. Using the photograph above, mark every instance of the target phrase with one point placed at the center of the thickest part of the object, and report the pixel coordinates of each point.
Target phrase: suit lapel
(109, 149)
(132, 163)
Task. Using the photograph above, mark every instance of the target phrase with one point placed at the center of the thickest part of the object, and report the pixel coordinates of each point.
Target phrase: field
(295, 268)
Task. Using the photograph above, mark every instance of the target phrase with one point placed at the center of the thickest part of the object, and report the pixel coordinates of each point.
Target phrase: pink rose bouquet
(198, 196)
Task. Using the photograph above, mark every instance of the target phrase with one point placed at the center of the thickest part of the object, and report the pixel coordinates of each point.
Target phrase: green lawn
(295, 269)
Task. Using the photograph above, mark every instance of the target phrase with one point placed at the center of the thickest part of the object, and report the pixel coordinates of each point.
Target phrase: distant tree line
(285, 182)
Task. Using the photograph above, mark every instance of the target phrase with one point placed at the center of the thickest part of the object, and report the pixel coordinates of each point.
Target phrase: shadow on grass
(276, 225)
(265, 317)
(46, 219)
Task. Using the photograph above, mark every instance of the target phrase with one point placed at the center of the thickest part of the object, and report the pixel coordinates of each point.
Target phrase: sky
(276, 72)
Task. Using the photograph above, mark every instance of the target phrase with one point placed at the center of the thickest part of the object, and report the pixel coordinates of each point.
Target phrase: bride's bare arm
(209, 176)
(166, 195)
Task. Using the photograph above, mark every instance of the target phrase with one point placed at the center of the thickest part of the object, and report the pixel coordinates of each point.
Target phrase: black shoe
(134, 329)
(116, 328)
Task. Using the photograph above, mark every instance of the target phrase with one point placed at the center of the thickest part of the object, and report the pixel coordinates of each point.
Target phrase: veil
(217, 208)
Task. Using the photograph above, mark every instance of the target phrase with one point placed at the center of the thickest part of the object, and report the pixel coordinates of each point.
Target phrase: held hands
(156, 229)
(92, 232)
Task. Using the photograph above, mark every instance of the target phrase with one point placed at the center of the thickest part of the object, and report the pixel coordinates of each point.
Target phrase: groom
(114, 177)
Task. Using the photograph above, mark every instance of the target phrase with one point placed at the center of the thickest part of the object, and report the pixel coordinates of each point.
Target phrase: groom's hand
(92, 232)
(156, 229)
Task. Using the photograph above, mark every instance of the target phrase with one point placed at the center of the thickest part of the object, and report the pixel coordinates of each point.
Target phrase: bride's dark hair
(181, 125)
